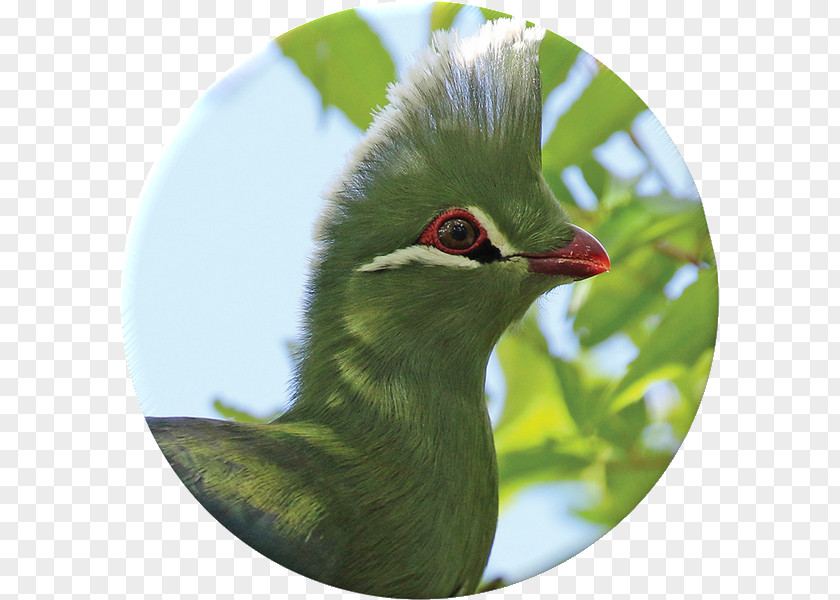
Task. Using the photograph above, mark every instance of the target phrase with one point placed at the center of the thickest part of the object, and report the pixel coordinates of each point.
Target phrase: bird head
(442, 229)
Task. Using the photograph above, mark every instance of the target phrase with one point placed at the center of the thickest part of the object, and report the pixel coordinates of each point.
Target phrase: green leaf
(534, 409)
(572, 385)
(632, 222)
(623, 429)
(232, 413)
(496, 583)
(520, 468)
(606, 105)
(691, 385)
(626, 482)
(666, 204)
(684, 336)
(620, 192)
(596, 176)
(647, 240)
(557, 55)
(630, 292)
(443, 15)
(346, 62)
(583, 396)
(492, 15)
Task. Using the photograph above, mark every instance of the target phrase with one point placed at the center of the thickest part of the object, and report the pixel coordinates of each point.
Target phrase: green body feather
(382, 477)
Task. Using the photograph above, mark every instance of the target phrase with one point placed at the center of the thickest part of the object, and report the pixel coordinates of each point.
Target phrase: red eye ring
(430, 236)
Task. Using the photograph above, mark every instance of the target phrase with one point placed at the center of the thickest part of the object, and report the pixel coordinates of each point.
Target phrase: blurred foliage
(606, 105)
(557, 55)
(349, 66)
(228, 411)
(574, 420)
(443, 15)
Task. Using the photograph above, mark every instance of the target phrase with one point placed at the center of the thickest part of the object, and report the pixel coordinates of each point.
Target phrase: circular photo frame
(421, 301)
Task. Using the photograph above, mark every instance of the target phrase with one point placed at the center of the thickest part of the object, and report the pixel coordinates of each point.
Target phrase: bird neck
(383, 373)
(390, 392)
(413, 474)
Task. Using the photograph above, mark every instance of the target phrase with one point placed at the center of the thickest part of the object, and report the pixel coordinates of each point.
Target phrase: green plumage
(382, 477)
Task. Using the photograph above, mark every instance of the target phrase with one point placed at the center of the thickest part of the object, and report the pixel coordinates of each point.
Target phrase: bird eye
(457, 234)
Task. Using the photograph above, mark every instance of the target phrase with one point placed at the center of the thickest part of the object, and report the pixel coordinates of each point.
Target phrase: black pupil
(457, 234)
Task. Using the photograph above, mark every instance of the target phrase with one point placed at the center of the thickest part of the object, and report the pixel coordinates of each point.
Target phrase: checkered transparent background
(90, 95)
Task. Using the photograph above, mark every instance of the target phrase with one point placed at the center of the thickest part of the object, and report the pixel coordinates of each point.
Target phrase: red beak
(582, 258)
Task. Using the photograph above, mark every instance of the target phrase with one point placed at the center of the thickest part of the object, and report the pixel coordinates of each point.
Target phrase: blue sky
(218, 257)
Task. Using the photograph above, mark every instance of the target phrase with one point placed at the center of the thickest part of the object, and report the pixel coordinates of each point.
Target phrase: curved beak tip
(582, 258)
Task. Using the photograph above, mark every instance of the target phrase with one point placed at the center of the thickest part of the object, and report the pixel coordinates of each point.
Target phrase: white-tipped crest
(450, 61)
(487, 84)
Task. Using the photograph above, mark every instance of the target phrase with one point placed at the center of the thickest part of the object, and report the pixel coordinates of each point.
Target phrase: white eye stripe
(493, 234)
(431, 256)
(427, 255)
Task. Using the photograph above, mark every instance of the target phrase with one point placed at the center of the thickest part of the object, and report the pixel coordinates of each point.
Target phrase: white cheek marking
(426, 255)
(493, 234)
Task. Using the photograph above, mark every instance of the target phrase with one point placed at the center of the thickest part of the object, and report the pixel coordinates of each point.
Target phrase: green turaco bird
(440, 233)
